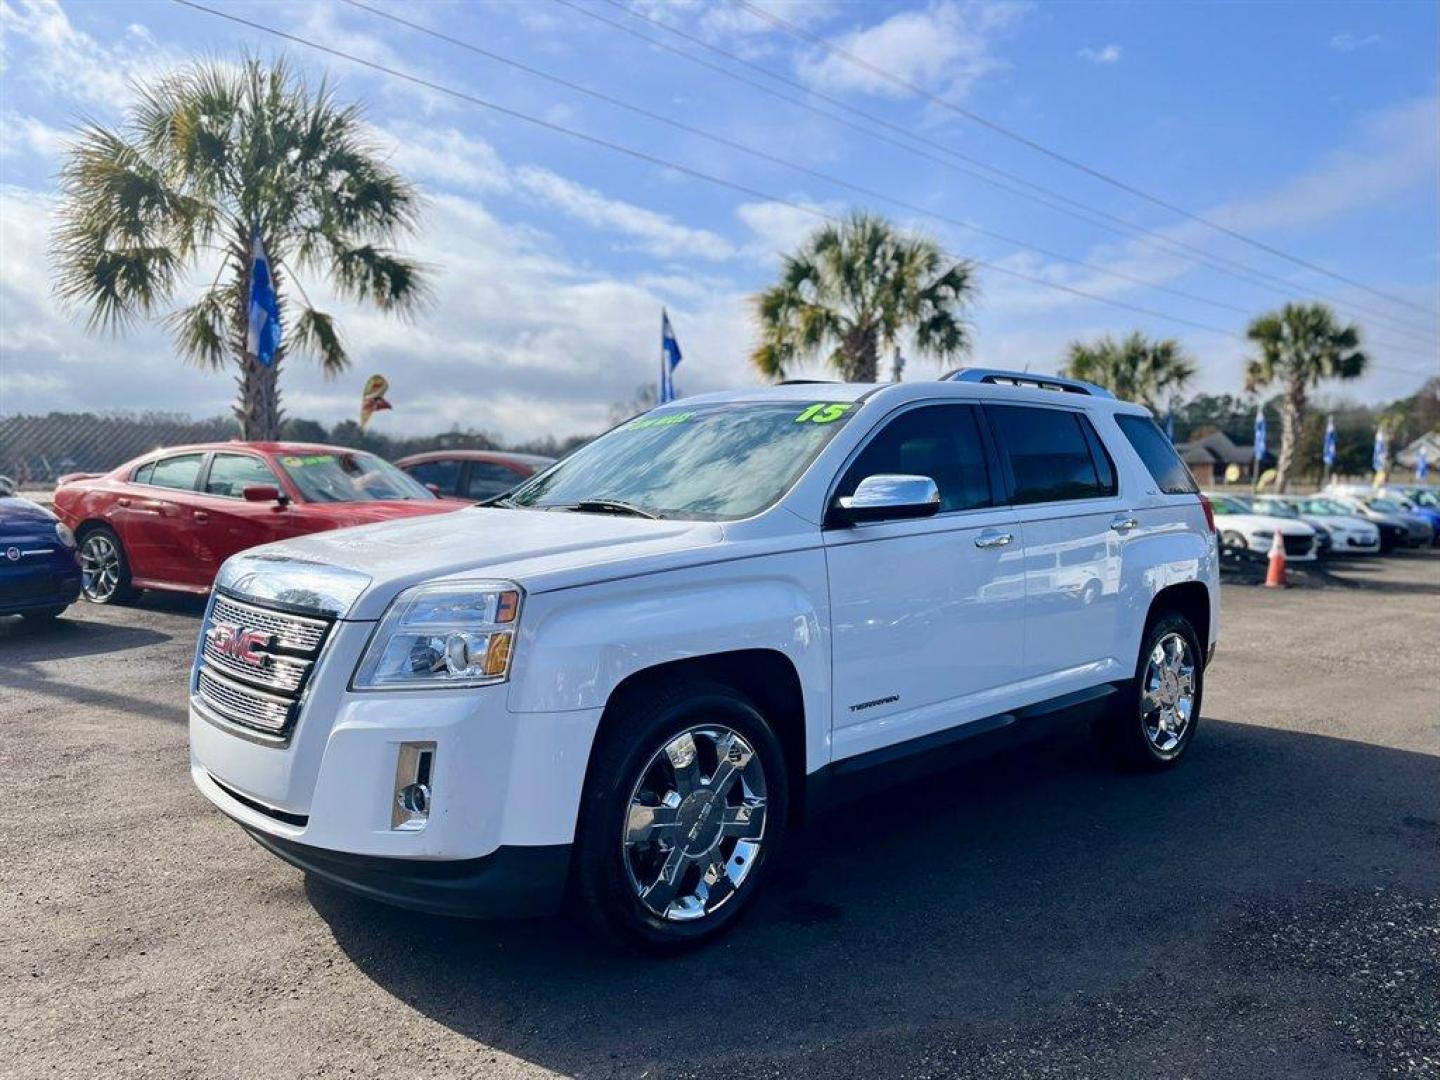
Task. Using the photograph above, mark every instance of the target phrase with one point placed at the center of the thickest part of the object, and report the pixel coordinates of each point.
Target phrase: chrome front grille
(296, 632)
(255, 662)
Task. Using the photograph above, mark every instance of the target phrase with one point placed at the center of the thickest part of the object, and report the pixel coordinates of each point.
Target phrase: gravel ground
(1270, 909)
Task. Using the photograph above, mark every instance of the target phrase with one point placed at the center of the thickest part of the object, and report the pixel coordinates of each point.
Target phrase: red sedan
(169, 519)
(472, 474)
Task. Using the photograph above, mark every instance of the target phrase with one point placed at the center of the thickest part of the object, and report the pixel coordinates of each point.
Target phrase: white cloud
(1346, 42)
(71, 63)
(655, 233)
(1109, 54)
(945, 48)
(27, 135)
(779, 228)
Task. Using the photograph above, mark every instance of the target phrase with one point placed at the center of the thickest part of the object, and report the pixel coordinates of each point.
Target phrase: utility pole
(897, 365)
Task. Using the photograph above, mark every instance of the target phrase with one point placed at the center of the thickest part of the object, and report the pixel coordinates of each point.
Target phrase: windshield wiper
(499, 500)
(606, 506)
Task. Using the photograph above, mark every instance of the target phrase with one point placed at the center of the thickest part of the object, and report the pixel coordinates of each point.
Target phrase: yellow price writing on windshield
(823, 413)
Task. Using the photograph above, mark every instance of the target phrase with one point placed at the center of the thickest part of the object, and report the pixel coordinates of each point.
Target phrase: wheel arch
(768, 677)
(1188, 598)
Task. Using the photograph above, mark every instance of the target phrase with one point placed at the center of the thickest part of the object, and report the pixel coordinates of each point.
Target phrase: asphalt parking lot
(1272, 908)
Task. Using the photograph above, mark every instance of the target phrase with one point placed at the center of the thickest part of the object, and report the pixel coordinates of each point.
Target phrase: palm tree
(855, 288)
(1136, 368)
(211, 156)
(1300, 346)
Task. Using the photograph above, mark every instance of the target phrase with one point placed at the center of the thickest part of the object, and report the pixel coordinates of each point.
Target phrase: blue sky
(1309, 127)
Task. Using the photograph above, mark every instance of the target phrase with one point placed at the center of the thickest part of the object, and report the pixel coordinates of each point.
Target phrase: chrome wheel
(695, 824)
(1167, 696)
(99, 568)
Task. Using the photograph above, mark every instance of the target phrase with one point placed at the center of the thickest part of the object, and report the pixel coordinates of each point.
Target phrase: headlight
(451, 634)
(64, 534)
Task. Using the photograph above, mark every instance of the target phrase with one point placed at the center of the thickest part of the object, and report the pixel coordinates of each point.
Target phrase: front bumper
(55, 583)
(511, 882)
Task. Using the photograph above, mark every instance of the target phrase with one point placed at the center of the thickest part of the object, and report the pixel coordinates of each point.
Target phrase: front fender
(576, 645)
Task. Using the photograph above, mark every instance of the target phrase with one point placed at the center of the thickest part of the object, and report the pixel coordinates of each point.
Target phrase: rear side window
(143, 473)
(1050, 457)
(938, 441)
(231, 474)
(444, 474)
(177, 472)
(1168, 471)
(487, 479)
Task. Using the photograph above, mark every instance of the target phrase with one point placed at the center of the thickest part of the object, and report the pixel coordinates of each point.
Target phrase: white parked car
(1419, 532)
(629, 676)
(1246, 529)
(1351, 534)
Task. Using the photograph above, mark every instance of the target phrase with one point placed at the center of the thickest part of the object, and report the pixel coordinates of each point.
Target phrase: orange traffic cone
(1275, 576)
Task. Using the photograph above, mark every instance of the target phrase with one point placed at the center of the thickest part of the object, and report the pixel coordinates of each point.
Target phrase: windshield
(353, 477)
(1385, 506)
(708, 462)
(1324, 506)
(1226, 504)
(1275, 508)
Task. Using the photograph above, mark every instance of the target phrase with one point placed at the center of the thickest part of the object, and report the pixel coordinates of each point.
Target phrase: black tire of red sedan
(683, 813)
(1154, 723)
(104, 568)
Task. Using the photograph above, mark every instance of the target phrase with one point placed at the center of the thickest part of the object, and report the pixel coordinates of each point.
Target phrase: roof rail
(996, 376)
(803, 382)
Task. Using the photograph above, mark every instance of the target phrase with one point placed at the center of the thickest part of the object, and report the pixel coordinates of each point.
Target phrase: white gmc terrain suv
(624, 682)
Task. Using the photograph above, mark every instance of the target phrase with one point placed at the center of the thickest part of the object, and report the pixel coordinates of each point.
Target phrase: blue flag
(1422, 464)
(1382, 450)
(1327, 452)
(669, 359)
(1259, 434)
(262, 339)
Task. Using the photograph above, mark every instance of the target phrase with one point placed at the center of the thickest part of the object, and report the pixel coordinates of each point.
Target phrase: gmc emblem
(238, 643)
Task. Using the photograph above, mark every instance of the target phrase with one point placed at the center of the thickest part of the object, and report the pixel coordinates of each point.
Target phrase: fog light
(414, 770)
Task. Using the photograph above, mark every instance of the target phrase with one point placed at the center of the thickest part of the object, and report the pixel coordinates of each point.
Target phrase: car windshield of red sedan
(353, 477)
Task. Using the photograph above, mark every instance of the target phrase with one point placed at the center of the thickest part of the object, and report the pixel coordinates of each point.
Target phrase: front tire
(683, 812)
(1155, 722)
(105, 569)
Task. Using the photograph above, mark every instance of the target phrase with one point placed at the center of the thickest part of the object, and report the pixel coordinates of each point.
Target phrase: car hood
(21, 517)
(1344, 523)
(537, 548)
(1263, 523)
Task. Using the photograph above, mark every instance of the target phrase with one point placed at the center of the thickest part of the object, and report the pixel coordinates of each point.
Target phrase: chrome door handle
(201, 516)
(122, 501)
(990, 540)
(1124, 524)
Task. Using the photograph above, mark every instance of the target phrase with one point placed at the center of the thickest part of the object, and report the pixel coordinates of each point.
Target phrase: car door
(927, 614)
(157, 516)
(223, 523)
(1075, 525)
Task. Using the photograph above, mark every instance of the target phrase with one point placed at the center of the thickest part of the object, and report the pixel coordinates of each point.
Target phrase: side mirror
(888, 497)
(434, 489)
(265, 493)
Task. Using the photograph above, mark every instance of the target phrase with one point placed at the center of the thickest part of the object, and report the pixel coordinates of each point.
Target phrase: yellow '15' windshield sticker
(823, 412)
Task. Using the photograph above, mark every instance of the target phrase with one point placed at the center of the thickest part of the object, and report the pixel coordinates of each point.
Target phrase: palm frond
(315, 333)
(388, 281)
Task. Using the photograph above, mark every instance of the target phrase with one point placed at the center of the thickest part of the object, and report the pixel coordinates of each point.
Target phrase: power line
(1010, 182)
(1038, 147)
(773, 159)
(641, 155)
(763, 155)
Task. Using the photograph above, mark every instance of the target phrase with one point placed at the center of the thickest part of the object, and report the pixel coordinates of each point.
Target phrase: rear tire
(682, 815)
(105, 568)
(43, 615)
(1154, 724)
